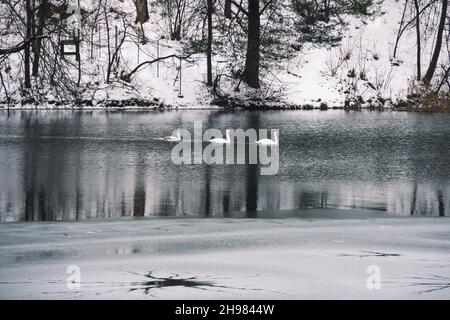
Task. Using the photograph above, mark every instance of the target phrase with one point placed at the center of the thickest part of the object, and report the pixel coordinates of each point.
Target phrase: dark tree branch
(444, 79)
(239, 7)
(127, 77)
(402, 30)
(14, 49)
(265, 7)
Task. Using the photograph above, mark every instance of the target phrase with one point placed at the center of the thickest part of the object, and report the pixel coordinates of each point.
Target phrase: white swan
(176, 138)
(269, 142)
(221, 140)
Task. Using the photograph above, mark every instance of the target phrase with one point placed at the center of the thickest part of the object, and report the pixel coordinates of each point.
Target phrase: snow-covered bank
(228, 258)
(358, 71)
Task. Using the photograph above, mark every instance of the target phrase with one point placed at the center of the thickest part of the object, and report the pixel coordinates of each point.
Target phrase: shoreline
(115, 108)
(156, 105)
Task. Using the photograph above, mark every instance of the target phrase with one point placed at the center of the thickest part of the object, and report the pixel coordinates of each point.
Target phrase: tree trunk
(399, 33)
(142, 15)
(326, 4)
(419, 47)
(251, 72)
(437, 50)
(228, 13)
(38, 40)
(29, 14)
(108, 38)
(209, 48)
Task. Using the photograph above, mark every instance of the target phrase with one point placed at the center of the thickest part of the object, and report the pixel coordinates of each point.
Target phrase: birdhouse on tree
(70, 45)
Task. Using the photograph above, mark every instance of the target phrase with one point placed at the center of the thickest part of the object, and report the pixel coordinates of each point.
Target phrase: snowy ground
(229, 258)
(316, 75)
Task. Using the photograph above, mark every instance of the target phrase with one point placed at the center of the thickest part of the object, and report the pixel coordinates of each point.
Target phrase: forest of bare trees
(73, 49)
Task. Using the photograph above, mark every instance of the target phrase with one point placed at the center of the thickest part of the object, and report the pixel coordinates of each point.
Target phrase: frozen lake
(227, 258)
(70, 165)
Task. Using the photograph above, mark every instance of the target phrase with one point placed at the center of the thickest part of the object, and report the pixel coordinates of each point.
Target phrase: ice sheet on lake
(227, 258)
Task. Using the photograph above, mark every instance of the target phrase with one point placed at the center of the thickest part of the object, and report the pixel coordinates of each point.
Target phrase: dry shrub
(433, 101)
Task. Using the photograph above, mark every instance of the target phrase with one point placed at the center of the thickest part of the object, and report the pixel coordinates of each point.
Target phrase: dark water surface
(78, 165)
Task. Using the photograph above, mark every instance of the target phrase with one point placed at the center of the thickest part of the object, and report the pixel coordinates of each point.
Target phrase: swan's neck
(178, 134)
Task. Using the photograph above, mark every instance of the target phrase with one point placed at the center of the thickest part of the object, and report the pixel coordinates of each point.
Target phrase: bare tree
(37, 42)
(419, 46)
(209, 81)
(29, 14)
(253, 56)
(176, 13)
(400, 29)
(437, 50)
